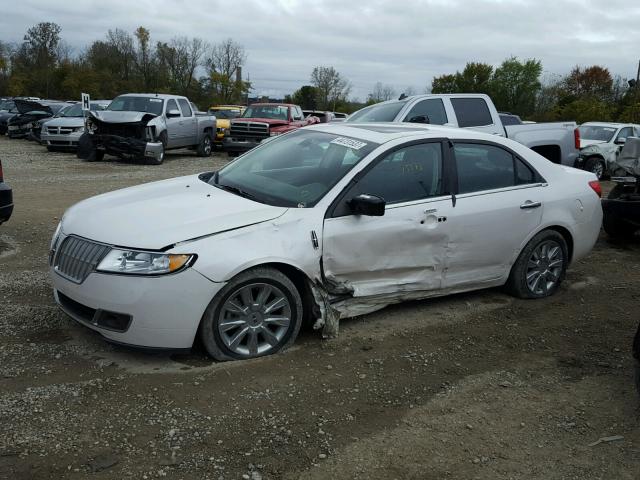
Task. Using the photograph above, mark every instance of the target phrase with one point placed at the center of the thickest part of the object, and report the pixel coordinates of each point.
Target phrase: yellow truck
(224, 114)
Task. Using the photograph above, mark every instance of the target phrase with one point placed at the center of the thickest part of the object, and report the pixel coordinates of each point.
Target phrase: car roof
(382, 132)
(164, 96)
(609, 124)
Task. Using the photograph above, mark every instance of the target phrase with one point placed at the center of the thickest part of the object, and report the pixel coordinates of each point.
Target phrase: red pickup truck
(263, 120)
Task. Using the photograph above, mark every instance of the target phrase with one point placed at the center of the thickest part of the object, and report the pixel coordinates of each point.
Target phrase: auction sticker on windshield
(349, 143)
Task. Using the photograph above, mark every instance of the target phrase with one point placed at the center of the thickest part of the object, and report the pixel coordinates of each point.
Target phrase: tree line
(42, 65)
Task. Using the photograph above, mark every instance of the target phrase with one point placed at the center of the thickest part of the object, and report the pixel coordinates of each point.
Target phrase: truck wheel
(206, 145)
(95, 155)
(259, 312)
(541, 266)
(596, 166)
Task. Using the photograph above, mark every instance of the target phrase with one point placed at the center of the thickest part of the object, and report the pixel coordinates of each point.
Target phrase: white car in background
(319, 224)
(600, 144)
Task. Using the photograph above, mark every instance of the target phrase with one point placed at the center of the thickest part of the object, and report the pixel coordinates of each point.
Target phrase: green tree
(475, 78)
(331, 88)
(225, 61)
(306, 97)
(515, 85)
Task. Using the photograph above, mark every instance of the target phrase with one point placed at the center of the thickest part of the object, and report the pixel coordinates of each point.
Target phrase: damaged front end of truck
(127, 135)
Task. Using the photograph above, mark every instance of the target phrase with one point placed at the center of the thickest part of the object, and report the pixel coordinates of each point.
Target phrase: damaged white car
(322, 223)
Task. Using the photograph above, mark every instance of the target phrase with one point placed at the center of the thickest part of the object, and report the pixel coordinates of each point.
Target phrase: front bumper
(232, 144)
(126, 147)
(60, 140)
(6, 202)
(161, 312)
(19, 131)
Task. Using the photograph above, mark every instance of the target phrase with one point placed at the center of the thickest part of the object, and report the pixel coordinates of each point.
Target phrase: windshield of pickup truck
(295, 170)
(276, 112)
(382, 112)
(75, 111)
(137, 104)
(597, 132)
(225, 114)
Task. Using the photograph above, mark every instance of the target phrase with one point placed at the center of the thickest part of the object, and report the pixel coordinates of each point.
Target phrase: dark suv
(6, 199)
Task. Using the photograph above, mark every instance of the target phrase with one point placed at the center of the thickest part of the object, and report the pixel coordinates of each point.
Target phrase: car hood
(66, 122)
(587, 143)
(109, 116)
(26, 106)
(157, 215)
(271, 121)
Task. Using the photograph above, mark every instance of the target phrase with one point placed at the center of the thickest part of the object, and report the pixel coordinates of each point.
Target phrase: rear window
(471, 112)
(382, 112)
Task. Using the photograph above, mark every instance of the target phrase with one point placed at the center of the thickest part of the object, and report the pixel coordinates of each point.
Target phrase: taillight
(595, 186)
(576, 138)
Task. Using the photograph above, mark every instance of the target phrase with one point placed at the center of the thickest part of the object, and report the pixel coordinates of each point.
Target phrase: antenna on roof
(402, 96)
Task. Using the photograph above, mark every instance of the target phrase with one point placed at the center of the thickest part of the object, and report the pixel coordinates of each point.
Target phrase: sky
(397, 42)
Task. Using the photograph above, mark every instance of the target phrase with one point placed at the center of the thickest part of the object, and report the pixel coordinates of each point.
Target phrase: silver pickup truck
(138, 126)
(557, 141)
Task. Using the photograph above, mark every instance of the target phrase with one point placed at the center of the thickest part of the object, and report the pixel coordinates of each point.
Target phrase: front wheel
(540, 267)
(596, 166)
(160, 158)
(259, 312)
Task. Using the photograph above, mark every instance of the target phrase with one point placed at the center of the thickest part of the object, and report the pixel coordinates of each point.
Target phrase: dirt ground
(473, 386)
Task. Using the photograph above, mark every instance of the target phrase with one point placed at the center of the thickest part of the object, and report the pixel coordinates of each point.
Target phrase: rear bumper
(6, 202)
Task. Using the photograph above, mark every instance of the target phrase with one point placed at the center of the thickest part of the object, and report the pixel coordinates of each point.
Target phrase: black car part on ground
(125, 140)
(6, 199)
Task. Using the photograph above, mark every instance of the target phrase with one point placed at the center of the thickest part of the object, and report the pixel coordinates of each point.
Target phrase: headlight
(143, 263)
(54, 243)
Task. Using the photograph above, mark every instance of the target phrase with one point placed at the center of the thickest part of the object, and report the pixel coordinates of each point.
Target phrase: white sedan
(322, 223)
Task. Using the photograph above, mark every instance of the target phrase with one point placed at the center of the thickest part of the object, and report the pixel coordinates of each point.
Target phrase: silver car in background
(64, 131)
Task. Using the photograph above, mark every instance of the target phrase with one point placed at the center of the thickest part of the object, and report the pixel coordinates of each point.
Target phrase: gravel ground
(474, 386)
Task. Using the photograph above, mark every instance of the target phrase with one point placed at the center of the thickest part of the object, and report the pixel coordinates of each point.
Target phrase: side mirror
(173, 113)
(369, 205)
(621, 141)
(419, 119)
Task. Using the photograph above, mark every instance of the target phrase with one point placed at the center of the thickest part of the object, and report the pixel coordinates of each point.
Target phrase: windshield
(228, 114)
(7, 105)
(595, 132)
(276, 112)
(137, 104)
(382, 112)
(76, 110)
(294, 170)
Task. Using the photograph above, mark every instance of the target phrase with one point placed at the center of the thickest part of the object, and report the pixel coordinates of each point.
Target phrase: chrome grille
(249, 129)
(52, 130)
(77, 258)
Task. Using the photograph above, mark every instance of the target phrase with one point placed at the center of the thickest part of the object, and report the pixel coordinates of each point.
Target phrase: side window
(487, 167)
(412, 173)
(186, 108)
(432, 108)
(471, 112)
(624, 133)
(172, 105)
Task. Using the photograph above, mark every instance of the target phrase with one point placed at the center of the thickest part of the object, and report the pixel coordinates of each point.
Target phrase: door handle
(529, 204)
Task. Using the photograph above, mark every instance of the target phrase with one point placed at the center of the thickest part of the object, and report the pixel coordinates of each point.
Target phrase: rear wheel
(596, 166)
(540, 267)
(259, 312)
(206, 145)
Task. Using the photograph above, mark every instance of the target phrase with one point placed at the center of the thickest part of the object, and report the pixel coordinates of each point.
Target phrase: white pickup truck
(556, 141)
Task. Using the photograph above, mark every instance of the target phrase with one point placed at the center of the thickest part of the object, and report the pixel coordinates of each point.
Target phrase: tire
(618, 229)
(95, 156)
(596, 166)
(241, 307)
(539, 255)
(154, 160)
(205, 148)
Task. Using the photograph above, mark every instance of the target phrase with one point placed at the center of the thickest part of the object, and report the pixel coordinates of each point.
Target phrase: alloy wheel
(254, 319)
(598, 169)
(207, 146)
(544, 267)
